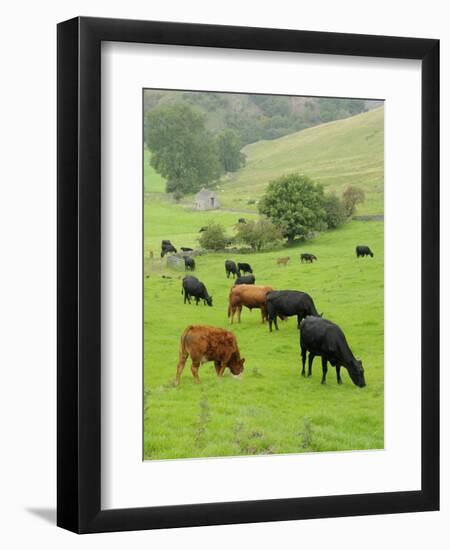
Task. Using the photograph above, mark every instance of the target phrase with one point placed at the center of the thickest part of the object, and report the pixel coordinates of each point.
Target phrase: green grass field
(336, 154)
(272, 409)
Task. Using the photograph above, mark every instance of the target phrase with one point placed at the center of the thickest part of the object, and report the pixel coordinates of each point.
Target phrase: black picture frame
(79, 275)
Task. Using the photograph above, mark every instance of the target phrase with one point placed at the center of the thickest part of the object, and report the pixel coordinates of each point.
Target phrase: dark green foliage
(351, 197)
(229, 147)
(214, 238)
(295, 204)
(258, 233)
(183, 151)
(256, 117)
(335, 211)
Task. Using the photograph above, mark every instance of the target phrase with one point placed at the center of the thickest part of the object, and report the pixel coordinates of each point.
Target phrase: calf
(324, 338)
(245, 280)
(250, 296)
(285, 303)
(244, 268)
(230, 268)
(189, 263)
(193, 288)
(283, 261)
(362, 251)
(203, 344)
(305, 258)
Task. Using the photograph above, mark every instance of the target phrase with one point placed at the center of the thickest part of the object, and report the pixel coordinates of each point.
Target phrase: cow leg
(181, 363)
(222, 368)
(324, 370)
(303, 361)
(217, 367)
(239, 311)
(310, 362)
(299, 320)
(233, 311)
(194, 369)
(338, 374)
(275, 321)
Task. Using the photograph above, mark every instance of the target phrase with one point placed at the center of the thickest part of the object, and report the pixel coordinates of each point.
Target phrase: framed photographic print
(248, 259)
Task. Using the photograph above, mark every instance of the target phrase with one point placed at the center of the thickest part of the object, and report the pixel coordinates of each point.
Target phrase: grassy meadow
(272, 409)
(335, 154)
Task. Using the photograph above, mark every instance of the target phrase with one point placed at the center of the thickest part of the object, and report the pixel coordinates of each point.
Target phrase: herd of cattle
(318, 336)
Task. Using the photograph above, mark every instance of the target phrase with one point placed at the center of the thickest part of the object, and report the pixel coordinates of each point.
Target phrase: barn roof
(204, 194)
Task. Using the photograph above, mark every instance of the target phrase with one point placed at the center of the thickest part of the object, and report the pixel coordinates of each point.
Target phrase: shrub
(214, 237)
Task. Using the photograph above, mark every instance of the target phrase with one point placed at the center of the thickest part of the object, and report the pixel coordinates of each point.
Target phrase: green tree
(351, 197)
(258, 233)
(183, 151)
(214, 237)
(295, 204)
(335, 211)
(229, 147)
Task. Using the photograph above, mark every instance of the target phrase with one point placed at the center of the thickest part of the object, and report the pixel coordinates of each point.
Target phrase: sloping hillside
(336, 154)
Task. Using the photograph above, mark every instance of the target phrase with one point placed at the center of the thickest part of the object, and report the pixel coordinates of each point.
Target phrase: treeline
(256, 116)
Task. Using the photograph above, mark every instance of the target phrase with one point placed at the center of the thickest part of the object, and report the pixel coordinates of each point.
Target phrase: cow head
(236, 364)
(208, 300)
(356, 372)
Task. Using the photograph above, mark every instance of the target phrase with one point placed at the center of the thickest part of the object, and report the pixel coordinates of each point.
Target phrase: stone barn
(206, 200)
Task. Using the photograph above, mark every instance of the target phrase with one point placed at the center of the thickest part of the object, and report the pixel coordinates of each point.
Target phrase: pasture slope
(272, 409)
(335, 154)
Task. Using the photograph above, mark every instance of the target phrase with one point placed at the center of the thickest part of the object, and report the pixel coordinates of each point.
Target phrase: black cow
(165, 242)
(242, 220)
(245, 280)
(192, 287)
(189, 263)
(285, 303)
(305, 258)
(362, 251)
(186, 249)
(244, 268)
(230, 268)
(326, 339)
(166, 248)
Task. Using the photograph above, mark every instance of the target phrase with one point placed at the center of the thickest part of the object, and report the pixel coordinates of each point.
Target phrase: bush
(258, 234)
(351, 197)
(335, 211)
(214, 237)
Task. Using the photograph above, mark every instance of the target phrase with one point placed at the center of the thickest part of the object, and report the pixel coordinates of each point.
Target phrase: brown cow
(251, 296)
(203, 344)
(283, 261)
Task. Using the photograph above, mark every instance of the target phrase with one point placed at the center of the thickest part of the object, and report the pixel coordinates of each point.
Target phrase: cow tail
(183, 340)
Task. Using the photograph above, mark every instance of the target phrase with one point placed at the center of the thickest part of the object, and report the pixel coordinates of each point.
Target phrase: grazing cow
(362, 251)
(242, 220)
(305, 258)
(244, 268)
(203, 344)
(245, 280)
(285, 303)
(204, 228)
(324, 338)
(186, 249)
(230, 268)
(283, 261)
(166, 247)
(251, 296)
(189, 263)
(192, 287)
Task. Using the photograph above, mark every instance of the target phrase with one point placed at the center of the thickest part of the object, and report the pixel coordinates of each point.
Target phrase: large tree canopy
(182, 150)
(230, 154)
(295, 204)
